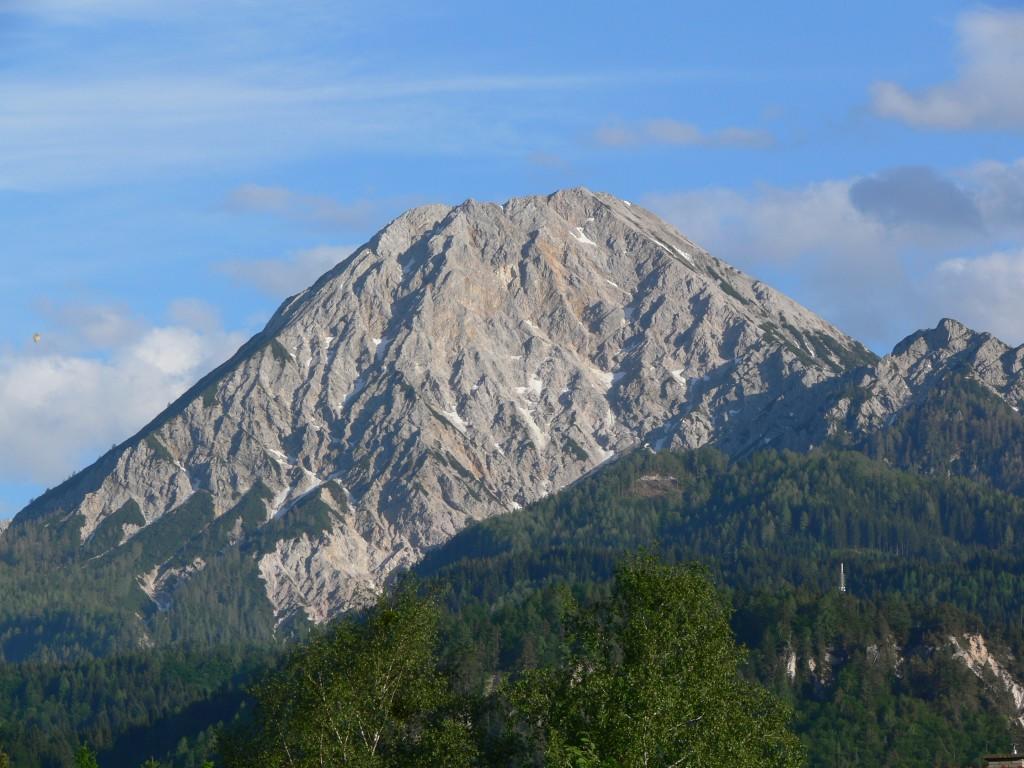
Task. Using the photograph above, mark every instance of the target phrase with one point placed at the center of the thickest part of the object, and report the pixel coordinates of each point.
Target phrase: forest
(869, 674)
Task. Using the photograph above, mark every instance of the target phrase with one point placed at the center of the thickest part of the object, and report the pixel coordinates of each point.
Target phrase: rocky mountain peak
(952, 346)
(949, 337)
(467, 360)
(920, 364)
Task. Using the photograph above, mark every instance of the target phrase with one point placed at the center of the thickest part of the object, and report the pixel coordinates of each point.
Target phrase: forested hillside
(960, 428)
(873, 674)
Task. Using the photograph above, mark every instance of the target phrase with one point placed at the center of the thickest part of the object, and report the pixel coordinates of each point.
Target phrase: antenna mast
(842, 577)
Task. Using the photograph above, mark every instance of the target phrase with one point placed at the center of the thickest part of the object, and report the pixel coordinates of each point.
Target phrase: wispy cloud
(68, 130)
(315, 209)
(682, 134)
(77, 10)
(83, 12)
(65, 402)
(988, 92)
(279, 278)
(548, 160)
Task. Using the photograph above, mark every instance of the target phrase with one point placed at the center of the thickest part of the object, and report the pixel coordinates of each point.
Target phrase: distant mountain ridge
(465, 362)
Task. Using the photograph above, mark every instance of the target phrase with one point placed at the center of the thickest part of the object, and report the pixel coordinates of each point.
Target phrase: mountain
(465, 362)
(508, 398)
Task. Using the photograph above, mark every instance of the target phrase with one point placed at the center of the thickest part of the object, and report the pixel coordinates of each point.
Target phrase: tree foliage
(85, 758)
(653, 680)
(365, 694)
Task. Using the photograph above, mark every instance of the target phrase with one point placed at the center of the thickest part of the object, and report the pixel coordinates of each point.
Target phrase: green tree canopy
(654, 681)
(367, 694)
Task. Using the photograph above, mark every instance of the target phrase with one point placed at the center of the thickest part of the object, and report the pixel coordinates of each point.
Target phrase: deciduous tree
(654, 682)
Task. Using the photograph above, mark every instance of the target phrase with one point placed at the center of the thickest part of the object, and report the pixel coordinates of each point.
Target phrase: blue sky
(170, 171)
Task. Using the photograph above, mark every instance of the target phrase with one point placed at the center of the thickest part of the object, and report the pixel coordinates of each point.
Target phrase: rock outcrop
(973, 652)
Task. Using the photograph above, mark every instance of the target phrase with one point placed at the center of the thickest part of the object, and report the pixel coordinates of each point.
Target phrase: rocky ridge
(918, 364)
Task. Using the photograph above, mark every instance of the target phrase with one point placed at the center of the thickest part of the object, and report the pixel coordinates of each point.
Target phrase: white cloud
(867, 255)
(676, 133)
(999, 192)
(62, 409)
(80, 326)
(280, 278)
(987, 291)
(989, 89)
(773, 224)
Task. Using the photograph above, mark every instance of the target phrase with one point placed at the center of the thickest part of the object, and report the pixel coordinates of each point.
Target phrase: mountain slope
(468, 360)
(945, 401)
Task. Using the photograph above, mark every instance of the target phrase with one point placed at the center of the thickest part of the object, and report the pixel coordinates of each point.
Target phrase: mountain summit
(466, 361)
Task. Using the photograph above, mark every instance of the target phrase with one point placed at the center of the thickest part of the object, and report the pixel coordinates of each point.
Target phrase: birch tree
(653, 681)
(366, 695)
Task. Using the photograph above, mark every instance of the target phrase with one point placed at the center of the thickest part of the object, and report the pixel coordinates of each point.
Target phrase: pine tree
(85, 758)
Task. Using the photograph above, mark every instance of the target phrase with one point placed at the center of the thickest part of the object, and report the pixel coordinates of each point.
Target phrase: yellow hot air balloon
(36, 337)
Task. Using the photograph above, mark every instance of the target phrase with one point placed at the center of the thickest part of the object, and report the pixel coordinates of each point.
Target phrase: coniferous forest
(498, 624)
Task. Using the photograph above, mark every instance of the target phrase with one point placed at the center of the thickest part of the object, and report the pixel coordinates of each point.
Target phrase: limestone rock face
(466, 361)
(973, 652)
